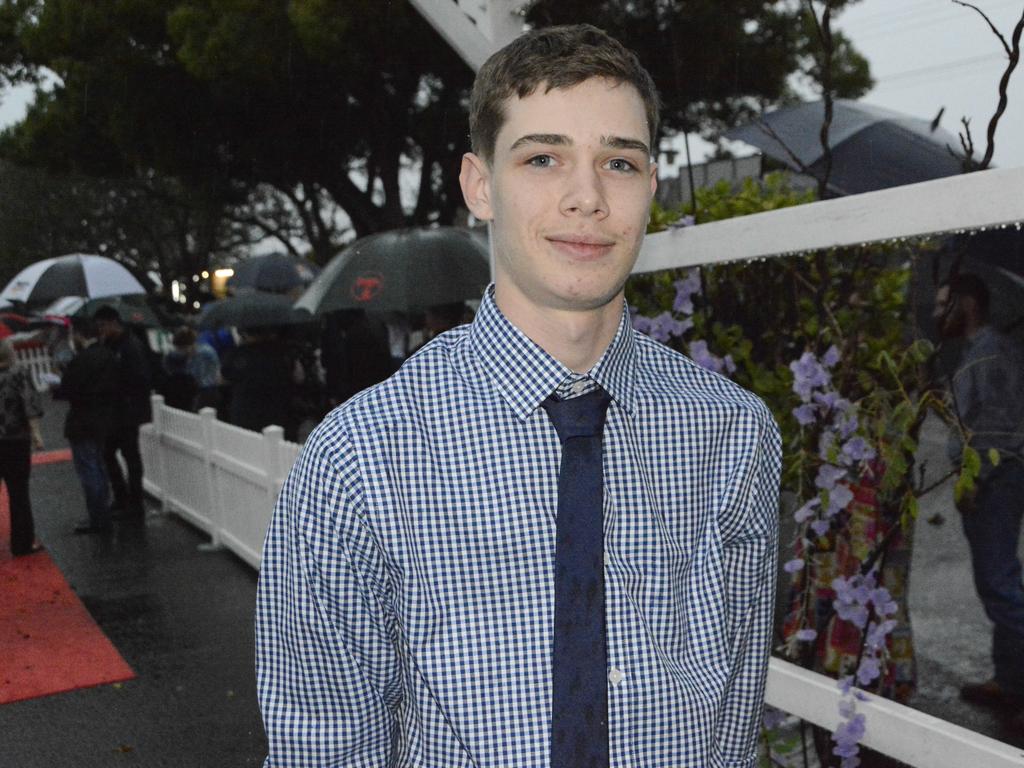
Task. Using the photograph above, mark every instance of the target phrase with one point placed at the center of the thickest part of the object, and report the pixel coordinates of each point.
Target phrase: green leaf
(994, 457)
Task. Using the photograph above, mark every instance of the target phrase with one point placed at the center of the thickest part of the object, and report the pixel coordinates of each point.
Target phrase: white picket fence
(37, 360)
(222, 479)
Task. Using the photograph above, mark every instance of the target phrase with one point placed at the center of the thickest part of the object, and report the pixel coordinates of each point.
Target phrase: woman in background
(20, 410)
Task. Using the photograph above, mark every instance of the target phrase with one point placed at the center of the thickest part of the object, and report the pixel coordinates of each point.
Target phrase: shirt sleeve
(750, 541)
(328, 671)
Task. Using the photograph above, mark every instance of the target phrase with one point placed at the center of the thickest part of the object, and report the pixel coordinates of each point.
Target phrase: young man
(988, 397)
(465, 568)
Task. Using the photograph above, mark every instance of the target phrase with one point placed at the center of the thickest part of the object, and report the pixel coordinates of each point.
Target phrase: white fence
(37, 360)
(222, 479)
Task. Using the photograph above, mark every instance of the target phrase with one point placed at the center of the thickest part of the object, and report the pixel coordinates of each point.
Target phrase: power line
(958, 63)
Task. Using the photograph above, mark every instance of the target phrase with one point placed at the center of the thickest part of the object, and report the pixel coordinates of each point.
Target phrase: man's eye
(540, 161)
(621, 164)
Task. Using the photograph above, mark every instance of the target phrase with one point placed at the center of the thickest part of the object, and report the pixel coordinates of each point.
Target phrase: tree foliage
(717, 64)
(335, 98)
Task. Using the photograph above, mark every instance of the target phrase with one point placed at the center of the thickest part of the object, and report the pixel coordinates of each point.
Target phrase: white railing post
(157, 406)
(273, 437)
(209, 416)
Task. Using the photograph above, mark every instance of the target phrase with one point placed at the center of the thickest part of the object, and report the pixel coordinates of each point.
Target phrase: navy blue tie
(579, 675)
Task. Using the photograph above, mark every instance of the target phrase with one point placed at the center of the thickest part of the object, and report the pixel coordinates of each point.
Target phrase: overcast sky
(924, 54)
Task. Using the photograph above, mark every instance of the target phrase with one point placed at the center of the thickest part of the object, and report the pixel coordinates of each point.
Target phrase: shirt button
(616, 675)
(607, 559)
(578, 387)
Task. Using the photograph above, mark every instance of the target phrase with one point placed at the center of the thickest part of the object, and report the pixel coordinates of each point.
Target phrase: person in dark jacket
(20, 411)
(90, 385)
(354, 352)
(134, 384)
(263, 377)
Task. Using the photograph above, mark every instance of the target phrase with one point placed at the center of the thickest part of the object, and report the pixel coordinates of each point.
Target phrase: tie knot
(579, 416)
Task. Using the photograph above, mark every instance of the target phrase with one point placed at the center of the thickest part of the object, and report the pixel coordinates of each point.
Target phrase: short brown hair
(557, 57)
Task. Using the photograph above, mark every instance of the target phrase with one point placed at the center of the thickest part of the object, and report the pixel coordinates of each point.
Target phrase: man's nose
(585, 193)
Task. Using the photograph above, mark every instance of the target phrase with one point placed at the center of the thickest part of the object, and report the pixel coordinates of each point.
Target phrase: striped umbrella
(73, 275)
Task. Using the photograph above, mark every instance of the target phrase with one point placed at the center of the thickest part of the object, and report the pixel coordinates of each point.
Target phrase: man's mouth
(582, 246)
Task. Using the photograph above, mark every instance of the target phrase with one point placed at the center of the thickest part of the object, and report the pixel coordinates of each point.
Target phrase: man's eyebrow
(618, 142)
(558, 139)
(553, 139)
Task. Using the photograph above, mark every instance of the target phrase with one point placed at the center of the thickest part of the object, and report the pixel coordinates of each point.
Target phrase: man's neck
(577, 339)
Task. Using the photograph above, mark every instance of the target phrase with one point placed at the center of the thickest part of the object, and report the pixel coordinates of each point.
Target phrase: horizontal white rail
(898, 731)
(985, 199)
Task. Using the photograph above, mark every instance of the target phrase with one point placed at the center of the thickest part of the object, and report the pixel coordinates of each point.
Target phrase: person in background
(192, 371)
(20, 411)
(354, 352)
(134, 385)
(443, 317)
(263, 377)
(90, 385)
(987, 390)
(547, 539)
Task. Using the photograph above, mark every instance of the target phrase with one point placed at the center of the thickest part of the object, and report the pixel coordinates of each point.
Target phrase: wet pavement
(181, 616)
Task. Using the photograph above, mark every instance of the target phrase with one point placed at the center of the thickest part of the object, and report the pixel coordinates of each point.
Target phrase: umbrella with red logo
(402, 270)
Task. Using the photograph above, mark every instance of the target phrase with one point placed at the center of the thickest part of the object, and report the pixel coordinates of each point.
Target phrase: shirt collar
(524, 374)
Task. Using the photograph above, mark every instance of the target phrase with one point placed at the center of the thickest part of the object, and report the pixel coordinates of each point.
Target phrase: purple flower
(846, 424)
(807, 510)
(853, 613)
(846, 737)
(804, 414)
(772, 718)
(828, 476)
(877, 633)
(686, 288)
(838, 499)
(684, 221)
(827, 399)
(820, 527)
(806, 635)
(831, 357)
(793, 565)
(641, 323)
(665, 326)
(858, 449)
(845, 684)
(808, 375)
(729, 364)
(869, 670)
(703, 357)
(883, 602)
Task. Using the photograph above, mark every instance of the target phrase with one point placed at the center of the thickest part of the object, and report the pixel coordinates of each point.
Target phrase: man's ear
(475, 180)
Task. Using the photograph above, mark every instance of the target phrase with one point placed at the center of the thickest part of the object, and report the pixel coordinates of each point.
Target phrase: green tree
(316, 98)
(717, 64)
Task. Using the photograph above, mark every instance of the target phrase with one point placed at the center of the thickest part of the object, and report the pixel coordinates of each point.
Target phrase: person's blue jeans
(993, 532)
(91, 467)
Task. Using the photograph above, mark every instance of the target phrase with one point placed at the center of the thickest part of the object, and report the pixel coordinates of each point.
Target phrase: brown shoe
(990, 694)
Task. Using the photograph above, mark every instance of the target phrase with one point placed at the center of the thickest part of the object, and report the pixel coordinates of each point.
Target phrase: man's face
(107, 329)
(949, 314)
(568, 193)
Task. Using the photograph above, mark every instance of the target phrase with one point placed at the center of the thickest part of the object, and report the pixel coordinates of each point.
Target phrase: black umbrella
(872, 148)
(252, 310)
(404, 269)
(133, 310)
(74, 275)
(273, 273)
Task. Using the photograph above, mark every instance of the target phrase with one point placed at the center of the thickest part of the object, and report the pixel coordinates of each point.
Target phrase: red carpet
(48, 641)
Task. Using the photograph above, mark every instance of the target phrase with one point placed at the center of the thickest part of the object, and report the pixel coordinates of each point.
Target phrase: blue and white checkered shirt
(406, 596)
